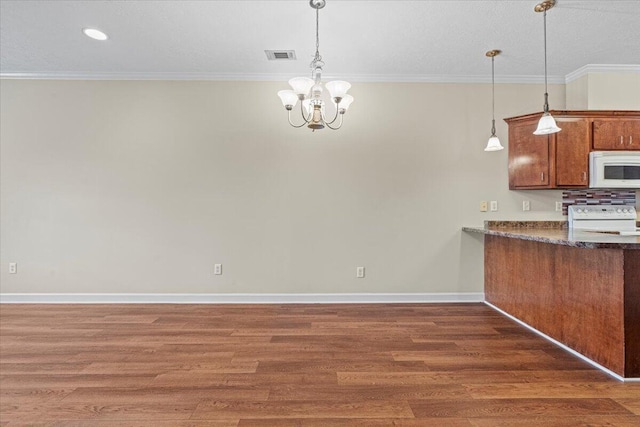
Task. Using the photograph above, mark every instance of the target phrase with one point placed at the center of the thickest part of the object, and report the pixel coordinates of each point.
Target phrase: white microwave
(614, 169)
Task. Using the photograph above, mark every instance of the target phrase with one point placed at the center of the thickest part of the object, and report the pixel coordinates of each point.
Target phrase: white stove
(604, 219)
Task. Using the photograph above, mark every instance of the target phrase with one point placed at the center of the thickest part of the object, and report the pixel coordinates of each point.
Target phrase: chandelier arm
(337, 127)
(334, 117)
(291, 123)
(307, 120)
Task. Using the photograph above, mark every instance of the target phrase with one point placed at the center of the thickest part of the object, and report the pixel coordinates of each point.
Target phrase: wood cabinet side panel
(573, 295)
(632, 313)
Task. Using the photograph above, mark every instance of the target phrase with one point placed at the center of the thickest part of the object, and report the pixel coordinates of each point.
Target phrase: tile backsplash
(597, 197)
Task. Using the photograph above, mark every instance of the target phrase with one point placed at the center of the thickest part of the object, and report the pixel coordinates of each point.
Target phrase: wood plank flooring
(294, 365)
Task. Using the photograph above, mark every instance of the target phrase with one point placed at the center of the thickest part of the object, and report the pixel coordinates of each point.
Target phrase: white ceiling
(359, 40)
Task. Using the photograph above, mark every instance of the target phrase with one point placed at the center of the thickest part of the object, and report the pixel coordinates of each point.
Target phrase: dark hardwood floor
(294, 365)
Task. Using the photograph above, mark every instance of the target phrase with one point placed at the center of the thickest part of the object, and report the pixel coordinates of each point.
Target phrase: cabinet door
(529, 160)
(572, 153)
(632, 134)
(609, 134)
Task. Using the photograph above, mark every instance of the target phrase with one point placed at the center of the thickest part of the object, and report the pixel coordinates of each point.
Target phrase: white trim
(7, 298)
(602, 68)
(564, 347)
(360, 78)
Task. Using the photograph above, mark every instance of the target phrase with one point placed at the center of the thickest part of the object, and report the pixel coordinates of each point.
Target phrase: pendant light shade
(547, 124)
(494, 143)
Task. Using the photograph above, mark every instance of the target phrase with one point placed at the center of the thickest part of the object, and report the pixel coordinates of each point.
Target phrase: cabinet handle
(630, 139)
(621, 140)
(541, 176)
(584, 176)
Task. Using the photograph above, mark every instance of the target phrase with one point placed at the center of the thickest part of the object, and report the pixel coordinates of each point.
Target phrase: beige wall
(578, 94)
(614, 91)
(141, 186)
(604, 91)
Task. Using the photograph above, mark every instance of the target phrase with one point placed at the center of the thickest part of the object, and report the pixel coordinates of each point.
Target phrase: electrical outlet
(360, 272)
(483, 206)
(13, 268)
(526, 205)
(494, 205)
(217, 269)
(558, 206)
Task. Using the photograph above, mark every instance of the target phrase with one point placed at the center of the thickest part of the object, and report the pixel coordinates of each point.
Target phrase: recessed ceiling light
(94, 34)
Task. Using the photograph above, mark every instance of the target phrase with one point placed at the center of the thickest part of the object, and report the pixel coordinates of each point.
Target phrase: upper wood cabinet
(529, 159)
(616, 134)
(561, 160)
(572, 152)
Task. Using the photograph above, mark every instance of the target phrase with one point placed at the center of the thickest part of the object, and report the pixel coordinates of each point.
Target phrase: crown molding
(602, 68)
(360, 78)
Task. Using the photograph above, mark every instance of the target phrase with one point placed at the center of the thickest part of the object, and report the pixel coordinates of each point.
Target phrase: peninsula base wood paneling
(588, 299)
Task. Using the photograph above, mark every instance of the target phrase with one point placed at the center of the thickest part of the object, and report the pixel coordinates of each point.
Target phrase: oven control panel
(611, 218)
(601, 212)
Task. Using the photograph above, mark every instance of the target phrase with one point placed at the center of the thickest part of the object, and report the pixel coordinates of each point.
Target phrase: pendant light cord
(493, 96)
(546, 92)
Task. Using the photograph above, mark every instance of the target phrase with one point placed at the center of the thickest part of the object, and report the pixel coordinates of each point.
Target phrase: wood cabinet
(572, 152)
(529, 159)
(616, 134)
(561, 160)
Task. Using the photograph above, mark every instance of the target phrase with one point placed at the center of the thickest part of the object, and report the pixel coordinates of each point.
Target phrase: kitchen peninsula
(577, 287)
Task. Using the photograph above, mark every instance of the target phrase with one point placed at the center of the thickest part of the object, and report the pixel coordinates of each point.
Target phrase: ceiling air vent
(280, 55)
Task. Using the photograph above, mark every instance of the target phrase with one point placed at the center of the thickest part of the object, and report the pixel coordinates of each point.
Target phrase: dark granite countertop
(555, 232)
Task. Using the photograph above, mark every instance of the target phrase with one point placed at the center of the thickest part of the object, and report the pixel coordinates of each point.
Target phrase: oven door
(614, 169)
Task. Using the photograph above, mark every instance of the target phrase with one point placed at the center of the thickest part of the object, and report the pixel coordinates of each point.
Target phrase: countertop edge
(556, 241)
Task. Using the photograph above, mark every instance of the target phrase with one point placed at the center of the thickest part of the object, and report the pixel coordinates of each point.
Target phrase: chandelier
(309, 91)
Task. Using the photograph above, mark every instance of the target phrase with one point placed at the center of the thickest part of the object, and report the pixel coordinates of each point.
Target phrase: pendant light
(494, 143)
(547, 123)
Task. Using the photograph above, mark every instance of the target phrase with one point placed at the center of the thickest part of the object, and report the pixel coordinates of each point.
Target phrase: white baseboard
(564, 347)
(238, 298)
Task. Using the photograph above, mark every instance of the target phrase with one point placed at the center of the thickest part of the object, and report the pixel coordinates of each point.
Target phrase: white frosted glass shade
(546, 125)
(338, 88)
(288, 97)
(494, 144)
(301, 85)
(345, 102)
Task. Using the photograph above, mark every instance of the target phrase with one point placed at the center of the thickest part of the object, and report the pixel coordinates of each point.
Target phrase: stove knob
(586, 210)
(579, 210)
(625, 210)
(619, 210)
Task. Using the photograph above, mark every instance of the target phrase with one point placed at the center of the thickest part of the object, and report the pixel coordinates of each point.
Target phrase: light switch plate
(483, 206)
